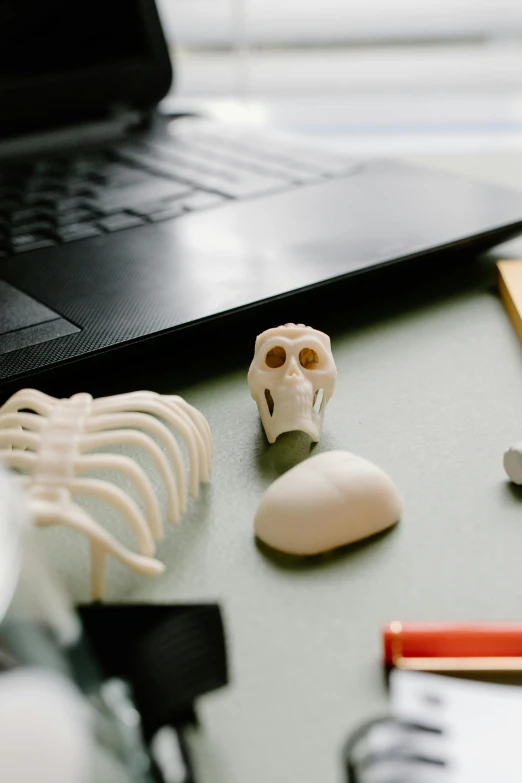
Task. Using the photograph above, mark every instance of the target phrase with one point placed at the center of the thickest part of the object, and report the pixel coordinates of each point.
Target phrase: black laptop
(118, 225)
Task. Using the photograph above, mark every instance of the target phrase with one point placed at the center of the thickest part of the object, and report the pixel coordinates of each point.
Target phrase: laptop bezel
(43, 102)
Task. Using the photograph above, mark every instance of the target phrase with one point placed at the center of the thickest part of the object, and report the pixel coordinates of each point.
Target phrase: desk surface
(430, 391)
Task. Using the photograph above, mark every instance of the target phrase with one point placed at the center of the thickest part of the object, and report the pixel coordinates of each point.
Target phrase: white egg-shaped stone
(325, 502)
(513, 463)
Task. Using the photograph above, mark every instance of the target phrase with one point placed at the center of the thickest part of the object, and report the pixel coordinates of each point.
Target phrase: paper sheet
(481, 725)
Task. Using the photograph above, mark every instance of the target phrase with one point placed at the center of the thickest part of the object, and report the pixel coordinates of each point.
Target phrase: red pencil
(454, 646)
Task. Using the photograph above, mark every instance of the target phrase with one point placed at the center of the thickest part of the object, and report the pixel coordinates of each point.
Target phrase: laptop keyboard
(60, 200)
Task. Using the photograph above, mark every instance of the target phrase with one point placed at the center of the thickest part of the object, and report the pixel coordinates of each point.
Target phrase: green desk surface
(430, 388)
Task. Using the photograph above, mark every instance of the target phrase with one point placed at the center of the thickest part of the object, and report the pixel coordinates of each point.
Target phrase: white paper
(481, 724)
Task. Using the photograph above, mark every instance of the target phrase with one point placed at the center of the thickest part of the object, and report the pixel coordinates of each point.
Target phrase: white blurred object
(44, 729)
(480, 725)
(13, 517)
(50, 731)
(513, 463)
(26, 587)
(51, 441)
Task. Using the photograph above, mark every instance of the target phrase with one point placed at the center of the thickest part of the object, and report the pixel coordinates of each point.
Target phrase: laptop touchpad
(24, 321)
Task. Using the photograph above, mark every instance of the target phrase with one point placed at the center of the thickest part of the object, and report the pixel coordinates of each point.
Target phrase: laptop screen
(65, 61)
(48, 37)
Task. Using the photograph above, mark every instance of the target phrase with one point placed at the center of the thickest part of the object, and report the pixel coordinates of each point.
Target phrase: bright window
(276, 22)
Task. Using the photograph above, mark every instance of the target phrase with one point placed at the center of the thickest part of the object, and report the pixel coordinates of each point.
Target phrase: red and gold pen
(454, 647)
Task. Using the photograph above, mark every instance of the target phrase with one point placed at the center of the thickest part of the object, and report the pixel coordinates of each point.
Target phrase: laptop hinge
(84, 134)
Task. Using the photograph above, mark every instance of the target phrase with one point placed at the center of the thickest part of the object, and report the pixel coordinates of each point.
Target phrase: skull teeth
(293, 406)
(298, 400)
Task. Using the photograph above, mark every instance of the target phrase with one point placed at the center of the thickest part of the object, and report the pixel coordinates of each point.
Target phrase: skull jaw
(275, 426)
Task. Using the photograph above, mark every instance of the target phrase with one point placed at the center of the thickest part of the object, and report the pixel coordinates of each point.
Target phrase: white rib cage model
(52, 445)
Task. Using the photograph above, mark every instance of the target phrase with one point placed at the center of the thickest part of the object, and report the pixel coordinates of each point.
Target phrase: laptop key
(30, 215)
(202, 201)
(19, 240)
(80, 231)
(128, 198)
(28, 229)
(118, 222)
(249, 161)
(76, 216)
(160, 168)
(152, 207)
(39, 185)
(52, 167)
(80, 188)
(169, 213)
(38, 244)
(70, 204)
(246, 186)
(42, 197)
(120, 176)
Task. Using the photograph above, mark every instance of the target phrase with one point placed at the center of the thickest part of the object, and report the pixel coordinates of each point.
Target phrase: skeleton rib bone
(53, 446)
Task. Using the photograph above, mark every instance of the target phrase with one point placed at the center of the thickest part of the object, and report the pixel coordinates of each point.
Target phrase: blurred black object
(170, 655)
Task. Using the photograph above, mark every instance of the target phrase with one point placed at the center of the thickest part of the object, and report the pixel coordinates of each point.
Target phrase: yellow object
(510, 287)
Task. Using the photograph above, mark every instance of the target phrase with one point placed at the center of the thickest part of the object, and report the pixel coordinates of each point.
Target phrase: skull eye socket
(275, 357)
(308, 359)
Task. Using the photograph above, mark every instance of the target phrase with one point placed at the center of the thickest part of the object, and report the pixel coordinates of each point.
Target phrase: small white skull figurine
(291, 378)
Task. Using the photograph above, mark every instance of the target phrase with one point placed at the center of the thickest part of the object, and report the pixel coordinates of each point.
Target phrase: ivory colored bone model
(51, 441)
(291, 378)
(325, 502)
